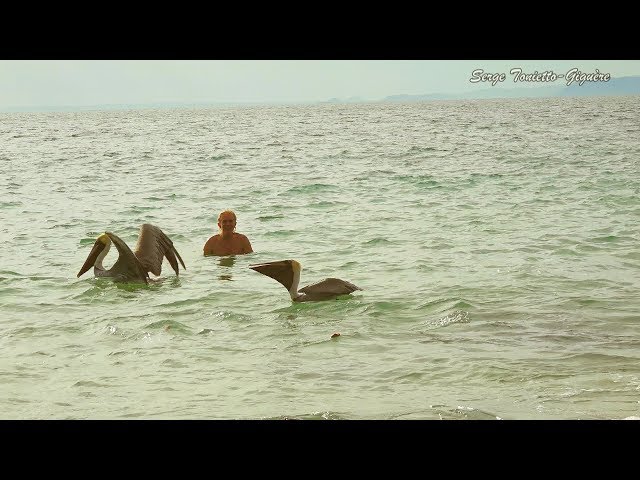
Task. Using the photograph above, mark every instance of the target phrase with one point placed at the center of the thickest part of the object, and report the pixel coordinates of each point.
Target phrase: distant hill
(346, 100)
(615, 86)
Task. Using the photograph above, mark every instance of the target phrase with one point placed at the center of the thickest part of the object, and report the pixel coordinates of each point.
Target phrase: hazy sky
(96, 82)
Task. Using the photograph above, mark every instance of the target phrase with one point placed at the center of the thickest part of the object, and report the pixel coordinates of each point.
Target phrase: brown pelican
(287, 272)
(152, 246)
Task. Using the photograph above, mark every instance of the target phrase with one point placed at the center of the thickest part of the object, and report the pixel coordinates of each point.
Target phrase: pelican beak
(281, 271)
(93, 256)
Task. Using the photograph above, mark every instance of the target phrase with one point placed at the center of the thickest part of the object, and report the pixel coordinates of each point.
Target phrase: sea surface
(496, 243)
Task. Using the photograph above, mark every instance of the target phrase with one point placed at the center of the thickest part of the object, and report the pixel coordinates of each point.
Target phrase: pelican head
(97, 254)
(287, 272)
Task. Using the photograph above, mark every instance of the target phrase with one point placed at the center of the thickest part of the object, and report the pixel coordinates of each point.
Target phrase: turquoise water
(496, 242)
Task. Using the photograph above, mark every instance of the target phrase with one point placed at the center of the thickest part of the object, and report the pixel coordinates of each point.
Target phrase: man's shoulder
(241, 235)
(211, 241)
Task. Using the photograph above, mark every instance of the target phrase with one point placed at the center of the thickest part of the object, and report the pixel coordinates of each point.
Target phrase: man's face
(227, 223)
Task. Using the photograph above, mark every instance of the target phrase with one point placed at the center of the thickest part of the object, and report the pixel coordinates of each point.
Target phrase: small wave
(608, 239)
(88, 383)
(185, 303)
(444, 304)
(117, 354)
(459, 316)
(415, 148)
(310, 416)
(325, 204)
(90, 239)
(24, 331)
(408, 377)
(176, 236)
(266, 218)
(222, 156)
(281, 233)
(383, 306)
(413, 178)
(486, 175)
(62, 225)
(140, 220)
(589, 248)
(462, 412)
(375, 173)
(142, 209)
(565, 251)
(312, 188)
(112, 330)
(43, 354)
(422, 181)
(171, 196)
(99, 286)
(174, 363)
(598, 358)
(11, 273)
(377, 241)
(348, 264)
(226, 315)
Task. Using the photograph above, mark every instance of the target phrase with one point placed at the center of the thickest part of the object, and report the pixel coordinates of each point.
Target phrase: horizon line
(481, 94)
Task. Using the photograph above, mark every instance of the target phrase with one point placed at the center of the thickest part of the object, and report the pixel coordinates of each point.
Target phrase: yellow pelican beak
(93, 256)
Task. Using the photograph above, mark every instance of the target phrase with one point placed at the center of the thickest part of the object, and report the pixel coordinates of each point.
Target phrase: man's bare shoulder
(246, 244)
(210, 244)
(212, 240)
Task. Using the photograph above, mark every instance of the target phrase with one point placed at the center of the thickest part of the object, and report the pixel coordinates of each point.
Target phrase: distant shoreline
(615, 87)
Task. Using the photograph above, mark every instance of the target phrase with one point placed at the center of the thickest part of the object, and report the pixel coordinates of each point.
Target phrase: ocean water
(496, 241)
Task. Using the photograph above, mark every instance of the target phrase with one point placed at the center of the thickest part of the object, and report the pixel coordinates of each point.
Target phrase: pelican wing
(152, 246)
(330, 286)
(127, 268)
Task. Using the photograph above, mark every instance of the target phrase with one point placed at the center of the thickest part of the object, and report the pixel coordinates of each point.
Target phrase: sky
(32, 83)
